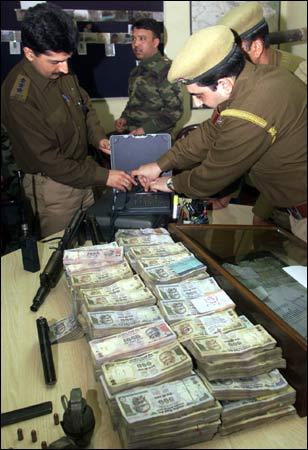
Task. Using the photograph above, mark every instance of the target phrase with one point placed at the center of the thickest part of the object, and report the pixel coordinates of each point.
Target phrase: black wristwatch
(169, 184)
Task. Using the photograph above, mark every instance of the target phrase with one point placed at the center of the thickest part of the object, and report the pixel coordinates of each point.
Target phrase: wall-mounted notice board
(104, 58)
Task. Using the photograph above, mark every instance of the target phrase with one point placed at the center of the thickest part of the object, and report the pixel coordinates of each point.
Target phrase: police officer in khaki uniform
(248, 136)
(50, 120)
(249, 22)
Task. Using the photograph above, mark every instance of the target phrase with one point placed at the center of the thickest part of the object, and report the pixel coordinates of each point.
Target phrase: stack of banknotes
(123, 294)
(135, 253)
(106, 323)
(161, 364)
(149, 329)
(167, 415)
(130, 343)
(142, 237)
(191, 298)
(239, 353)
(248, 402)
(166, 363)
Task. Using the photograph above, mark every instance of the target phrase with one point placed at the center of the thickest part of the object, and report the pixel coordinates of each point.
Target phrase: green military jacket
(154, 104)
(50, 128)
(218, 154)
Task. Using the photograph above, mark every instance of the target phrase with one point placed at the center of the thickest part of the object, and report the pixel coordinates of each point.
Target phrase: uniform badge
(20, 89)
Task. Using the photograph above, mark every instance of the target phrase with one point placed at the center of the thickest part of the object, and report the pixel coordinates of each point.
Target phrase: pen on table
(175, 206)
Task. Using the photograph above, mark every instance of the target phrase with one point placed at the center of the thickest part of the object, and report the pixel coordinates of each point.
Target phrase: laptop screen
(128, 152)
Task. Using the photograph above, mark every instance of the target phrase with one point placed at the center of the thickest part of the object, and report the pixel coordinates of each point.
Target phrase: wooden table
(22, 379)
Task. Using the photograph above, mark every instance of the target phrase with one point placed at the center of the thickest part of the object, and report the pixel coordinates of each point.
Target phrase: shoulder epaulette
(20, 89)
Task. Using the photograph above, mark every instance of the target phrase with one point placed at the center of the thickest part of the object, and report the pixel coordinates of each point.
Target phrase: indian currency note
(220, 322)
(234, 342)
(167, 399)
(67, 328)
(130, 342)
(109, 275)
(176, 310)
(109, 255)
(146, 368)
(187, 289)
(129, 318)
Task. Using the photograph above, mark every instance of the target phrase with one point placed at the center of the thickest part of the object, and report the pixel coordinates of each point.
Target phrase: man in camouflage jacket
(154, 104)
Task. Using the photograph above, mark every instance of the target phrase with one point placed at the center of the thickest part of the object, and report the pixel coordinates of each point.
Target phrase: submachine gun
(75, 231)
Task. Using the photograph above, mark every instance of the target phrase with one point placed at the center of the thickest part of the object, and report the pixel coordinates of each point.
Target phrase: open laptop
(128, 152)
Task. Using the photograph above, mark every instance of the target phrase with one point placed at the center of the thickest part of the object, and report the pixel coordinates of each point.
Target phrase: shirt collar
(37, 78)
(156, 57)
(243, 76)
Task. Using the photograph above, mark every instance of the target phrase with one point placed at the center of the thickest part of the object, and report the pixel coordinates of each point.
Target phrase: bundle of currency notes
(223, 368)
(107, 323)
(248, 387)
(236, 410)
(129, 343)
(109, 275)
(159, 365)
(159, 250)
(168, 414)
(242, 343)
(144, 240)
(95, 254)
(259, 419)
(176, 310)
(173, 272)
(261, 362)
(65, 330)
(187, 289)
(208, 325)
(131, 232)
(123, 294)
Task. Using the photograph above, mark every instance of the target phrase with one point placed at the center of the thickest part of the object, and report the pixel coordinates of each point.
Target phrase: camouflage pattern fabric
(154, 104)
(8, 166)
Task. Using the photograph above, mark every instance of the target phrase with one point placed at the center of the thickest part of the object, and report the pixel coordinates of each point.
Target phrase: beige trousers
(56, 203)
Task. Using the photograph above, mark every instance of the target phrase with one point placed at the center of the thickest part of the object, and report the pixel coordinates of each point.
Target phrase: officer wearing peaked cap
(248, 136)
(249, 22)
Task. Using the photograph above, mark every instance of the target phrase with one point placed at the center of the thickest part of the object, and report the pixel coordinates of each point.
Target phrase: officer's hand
(219, 203)
(137, 131)
(120, 180)
(146, 174)
(160, 184)
(120, 124)
(256, 220)
(104, 146)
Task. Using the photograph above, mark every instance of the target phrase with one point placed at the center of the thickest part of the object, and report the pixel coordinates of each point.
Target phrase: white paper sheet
(299, 273)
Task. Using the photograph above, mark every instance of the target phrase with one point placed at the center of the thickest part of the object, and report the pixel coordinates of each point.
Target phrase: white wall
(177, 25)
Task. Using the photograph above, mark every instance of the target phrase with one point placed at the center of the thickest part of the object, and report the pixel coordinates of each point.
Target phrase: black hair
(46, 27)
(149, 24)
(260, 32)
(231, 66)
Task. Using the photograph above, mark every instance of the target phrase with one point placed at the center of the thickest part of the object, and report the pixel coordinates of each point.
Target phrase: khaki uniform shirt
(220, 153)
(279, 58)
(294, 64)
(154, 104)
(50, 128)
